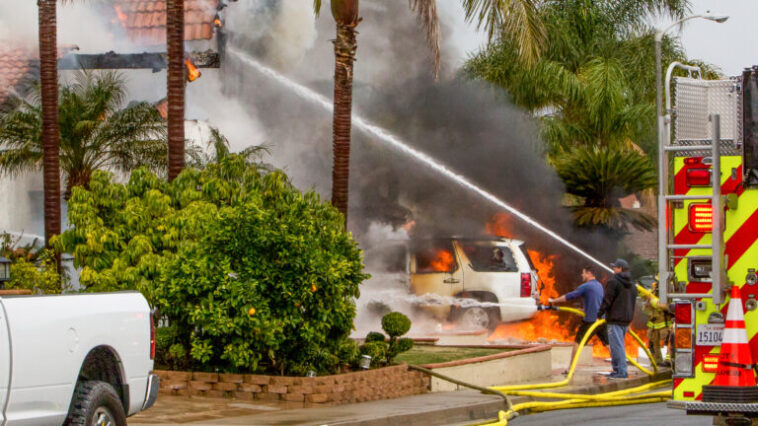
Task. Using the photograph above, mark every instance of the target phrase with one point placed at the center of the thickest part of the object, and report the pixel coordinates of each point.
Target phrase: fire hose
(623, 397)
(631, 332)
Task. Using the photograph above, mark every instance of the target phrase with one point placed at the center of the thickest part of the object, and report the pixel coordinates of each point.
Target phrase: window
(489, 258)
(435, 257)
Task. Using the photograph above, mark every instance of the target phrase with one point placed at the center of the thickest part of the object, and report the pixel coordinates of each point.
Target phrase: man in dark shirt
(618, 309)
(591, 293)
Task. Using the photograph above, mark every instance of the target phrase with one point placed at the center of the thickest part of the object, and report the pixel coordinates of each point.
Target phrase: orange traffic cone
(735, 379)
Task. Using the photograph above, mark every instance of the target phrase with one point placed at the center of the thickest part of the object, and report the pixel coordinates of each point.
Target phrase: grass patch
(428, 354)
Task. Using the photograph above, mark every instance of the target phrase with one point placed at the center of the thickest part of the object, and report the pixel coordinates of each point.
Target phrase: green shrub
(32, 268)
(348, 352)
(377, 351)
(403, 345)
(375, 336)
(255, 275)
(395, 324)
(177, 356)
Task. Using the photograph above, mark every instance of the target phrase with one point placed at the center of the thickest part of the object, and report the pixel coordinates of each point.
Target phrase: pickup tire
(96, 403)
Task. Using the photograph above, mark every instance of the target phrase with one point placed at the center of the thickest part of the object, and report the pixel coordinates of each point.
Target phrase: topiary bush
(254, 275)
(375, 336)
(395, 324)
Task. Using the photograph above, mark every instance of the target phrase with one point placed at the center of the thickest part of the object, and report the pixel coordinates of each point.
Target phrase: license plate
(709, 334)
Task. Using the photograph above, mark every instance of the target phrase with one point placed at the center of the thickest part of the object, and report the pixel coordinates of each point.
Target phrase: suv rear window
(488, 258)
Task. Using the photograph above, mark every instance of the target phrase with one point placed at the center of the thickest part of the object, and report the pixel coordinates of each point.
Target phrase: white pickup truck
(82, 359)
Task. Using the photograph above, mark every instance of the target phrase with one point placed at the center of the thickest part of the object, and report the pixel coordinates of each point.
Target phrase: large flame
(547, 325)
(443, 261)
(501, 225)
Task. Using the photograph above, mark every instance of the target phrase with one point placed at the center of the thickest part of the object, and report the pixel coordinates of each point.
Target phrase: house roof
(145, 21)
(17, 66)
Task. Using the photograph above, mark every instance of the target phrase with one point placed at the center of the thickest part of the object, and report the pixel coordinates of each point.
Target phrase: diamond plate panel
(695, 100)
(713, 407)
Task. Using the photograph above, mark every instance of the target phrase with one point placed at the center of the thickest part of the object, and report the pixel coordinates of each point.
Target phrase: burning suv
(477, 283)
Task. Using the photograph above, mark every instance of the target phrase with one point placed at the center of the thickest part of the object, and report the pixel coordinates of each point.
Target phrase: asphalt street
(629, 415)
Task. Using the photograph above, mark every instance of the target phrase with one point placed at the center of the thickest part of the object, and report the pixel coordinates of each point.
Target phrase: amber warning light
(701, 218)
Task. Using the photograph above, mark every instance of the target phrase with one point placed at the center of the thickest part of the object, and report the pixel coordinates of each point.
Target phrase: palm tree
(599, 176)
(48, 54)
(175, 85)
(512, 18)
(95, 131)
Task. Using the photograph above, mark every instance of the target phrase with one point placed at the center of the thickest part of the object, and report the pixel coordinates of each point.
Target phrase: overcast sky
(731, 46)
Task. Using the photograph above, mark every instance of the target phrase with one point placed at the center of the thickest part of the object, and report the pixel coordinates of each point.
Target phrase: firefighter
(657, 326)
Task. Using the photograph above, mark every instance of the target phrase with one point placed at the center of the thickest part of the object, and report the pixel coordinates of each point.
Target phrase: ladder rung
(689, 246)
(690, 296)
(687, 147)
(688, 197)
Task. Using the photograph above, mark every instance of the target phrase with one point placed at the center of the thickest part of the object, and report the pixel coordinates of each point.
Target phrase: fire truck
(708, 231)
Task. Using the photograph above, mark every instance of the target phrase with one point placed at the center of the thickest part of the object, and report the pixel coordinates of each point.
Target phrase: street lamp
(662, 164)
(5, 271)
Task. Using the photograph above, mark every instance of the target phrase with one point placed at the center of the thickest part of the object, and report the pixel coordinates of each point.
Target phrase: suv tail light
(526, 284)
(701, 217)
(698, 177)
(152, 337)
(683, 313)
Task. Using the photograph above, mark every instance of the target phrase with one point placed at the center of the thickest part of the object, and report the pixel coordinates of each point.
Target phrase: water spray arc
(392, 140)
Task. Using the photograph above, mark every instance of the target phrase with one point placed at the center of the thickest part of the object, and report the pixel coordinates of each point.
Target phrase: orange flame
(192, 72)
(217, 23)
(443, 261)
(120, 15)
(501, 225)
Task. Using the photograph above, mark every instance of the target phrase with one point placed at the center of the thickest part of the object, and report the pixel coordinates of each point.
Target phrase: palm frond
(517, 20)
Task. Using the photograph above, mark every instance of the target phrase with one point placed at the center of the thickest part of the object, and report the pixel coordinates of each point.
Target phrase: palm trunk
(48, 54)
(175, 80)
(77, 178)
(344, 54)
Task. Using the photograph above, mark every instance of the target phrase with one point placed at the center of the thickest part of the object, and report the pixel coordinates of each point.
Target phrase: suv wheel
(96, 403)
(477, 317)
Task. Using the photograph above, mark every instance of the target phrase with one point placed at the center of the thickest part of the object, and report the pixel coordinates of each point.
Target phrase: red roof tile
(15, 67)
(145, 21)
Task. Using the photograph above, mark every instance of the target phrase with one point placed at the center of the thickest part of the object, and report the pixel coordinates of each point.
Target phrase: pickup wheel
(96, 403)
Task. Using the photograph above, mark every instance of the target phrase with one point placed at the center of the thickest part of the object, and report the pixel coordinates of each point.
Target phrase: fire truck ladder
(666, 247)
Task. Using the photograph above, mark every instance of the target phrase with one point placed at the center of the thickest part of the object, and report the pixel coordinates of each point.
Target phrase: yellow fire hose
(623, 397)
(631, 332)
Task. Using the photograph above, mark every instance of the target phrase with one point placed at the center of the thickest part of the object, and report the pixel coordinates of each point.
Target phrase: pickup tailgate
(52, 335)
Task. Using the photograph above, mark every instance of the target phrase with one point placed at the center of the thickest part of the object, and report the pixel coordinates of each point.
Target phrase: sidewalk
(432, 408)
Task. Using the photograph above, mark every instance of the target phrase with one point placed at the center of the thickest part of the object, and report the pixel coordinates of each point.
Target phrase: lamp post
(5, 271)
(662, 163)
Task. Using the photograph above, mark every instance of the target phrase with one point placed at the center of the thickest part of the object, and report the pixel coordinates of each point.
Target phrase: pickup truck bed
(55, 347)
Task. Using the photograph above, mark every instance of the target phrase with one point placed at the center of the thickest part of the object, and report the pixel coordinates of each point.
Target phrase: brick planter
(383, 383)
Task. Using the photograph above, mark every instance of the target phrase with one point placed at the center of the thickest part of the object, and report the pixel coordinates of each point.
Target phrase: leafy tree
(600, 176)
(594, 82)
(254, 275)
(96, 131)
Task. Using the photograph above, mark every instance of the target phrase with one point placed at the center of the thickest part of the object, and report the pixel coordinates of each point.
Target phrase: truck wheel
(96, 404)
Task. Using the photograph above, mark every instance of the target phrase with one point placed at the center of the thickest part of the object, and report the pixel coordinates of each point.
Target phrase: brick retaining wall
(383, 383)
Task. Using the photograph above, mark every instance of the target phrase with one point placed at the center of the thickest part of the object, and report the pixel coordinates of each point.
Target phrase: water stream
(395, 142)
